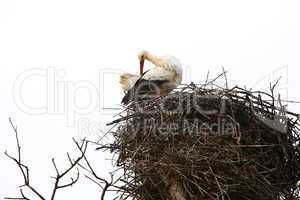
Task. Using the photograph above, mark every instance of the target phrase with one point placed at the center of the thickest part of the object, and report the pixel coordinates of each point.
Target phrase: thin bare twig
(59, 175)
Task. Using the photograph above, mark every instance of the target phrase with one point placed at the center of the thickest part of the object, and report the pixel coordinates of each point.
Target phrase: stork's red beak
(142, 66)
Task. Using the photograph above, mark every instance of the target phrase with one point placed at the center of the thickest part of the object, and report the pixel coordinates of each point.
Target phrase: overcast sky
(60, 60)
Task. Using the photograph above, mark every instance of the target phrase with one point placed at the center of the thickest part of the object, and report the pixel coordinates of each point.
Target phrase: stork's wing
(142, 89)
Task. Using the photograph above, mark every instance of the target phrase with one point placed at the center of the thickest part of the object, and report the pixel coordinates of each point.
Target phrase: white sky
(87, 43)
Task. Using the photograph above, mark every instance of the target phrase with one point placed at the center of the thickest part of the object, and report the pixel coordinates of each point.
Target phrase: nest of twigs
(202, 142)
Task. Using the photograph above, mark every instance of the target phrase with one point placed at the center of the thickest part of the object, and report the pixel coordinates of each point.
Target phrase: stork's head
(142, 56)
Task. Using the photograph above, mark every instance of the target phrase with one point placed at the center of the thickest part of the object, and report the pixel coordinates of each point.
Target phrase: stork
(127, 81)
(165, 76)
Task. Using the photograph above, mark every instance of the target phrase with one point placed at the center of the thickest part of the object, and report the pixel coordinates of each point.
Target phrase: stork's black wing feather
(141, 89)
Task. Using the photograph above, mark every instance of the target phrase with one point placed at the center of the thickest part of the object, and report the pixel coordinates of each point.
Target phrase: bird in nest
(165, 76)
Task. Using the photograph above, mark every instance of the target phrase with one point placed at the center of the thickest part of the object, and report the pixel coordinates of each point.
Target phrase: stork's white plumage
(158, 81)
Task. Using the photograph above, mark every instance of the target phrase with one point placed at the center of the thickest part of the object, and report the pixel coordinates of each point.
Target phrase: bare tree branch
(96, 178)
(74, 163)
(23, 168)
(59, 175)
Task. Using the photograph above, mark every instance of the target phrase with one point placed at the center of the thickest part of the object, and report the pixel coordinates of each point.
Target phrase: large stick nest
(204, 142)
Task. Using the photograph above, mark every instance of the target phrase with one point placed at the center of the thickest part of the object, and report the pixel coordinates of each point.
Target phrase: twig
(23, 168)
(25, 171)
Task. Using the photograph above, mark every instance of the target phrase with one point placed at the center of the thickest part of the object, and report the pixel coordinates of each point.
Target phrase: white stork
(158, 81)
(127, 81)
